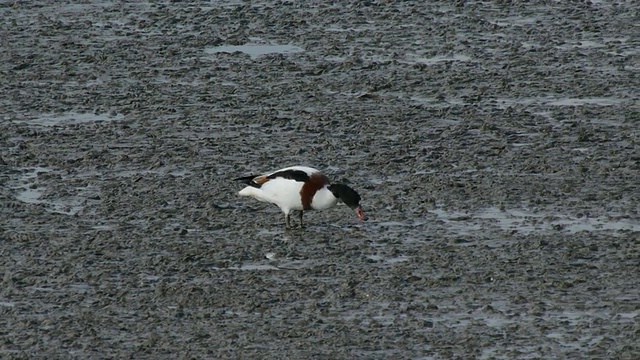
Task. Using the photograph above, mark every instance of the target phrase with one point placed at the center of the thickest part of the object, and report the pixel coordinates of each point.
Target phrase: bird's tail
(250, 191)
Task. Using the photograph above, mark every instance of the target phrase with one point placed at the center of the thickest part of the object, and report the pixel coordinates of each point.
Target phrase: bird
(299, 188)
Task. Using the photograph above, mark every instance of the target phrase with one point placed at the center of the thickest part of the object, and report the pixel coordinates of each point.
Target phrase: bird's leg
(287, 221)
(301, 223)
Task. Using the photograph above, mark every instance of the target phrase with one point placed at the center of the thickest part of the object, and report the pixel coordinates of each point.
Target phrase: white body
(285, 193)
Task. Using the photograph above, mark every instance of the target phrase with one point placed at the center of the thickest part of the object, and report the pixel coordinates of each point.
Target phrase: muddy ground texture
(495, 147)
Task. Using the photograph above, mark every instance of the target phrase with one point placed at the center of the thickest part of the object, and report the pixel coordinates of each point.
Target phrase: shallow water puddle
(389, 260)
(30, 196)
(503, 103)
(159, 171)
(104, 227)
(69, 118)
(436, 59)
(525, 222)
(24, 184)
(566, 337)
(29, 189)
(255, 50)
(249, 267)
(275, 265)
(585, 101)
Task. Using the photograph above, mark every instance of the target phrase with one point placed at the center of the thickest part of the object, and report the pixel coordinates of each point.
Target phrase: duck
(300, 188)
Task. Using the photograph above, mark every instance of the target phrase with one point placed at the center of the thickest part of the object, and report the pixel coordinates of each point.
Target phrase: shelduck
(299, 188)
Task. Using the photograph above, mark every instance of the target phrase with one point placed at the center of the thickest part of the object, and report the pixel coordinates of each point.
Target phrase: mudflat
(495, 146)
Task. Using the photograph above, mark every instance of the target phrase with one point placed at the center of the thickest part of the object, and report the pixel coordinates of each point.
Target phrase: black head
(348, 196)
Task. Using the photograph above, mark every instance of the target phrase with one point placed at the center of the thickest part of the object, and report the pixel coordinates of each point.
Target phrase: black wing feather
(297, 175)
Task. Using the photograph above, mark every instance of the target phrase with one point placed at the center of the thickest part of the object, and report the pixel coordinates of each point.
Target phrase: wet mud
(495, 146)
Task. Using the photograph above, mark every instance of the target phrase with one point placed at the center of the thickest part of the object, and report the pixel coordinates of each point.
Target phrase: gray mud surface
(495, 145)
